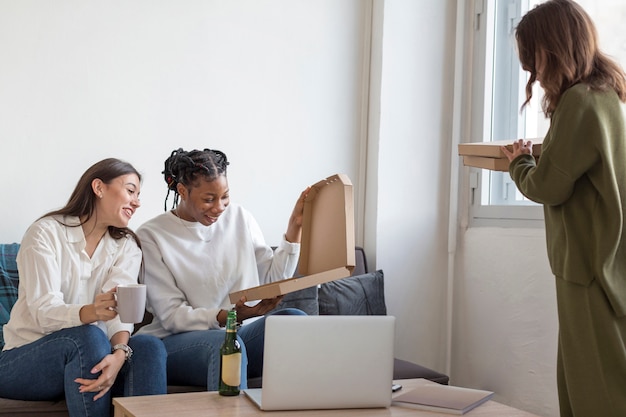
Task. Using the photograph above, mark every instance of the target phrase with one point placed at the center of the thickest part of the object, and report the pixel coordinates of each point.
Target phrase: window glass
(495, 196)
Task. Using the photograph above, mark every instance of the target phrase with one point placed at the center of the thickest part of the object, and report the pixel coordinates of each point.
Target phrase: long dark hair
(82, 202)
(564, 32)
(187, 167)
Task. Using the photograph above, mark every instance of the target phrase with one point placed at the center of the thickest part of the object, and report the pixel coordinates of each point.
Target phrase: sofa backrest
(360, 264)
(363, 293)
(9, 282)
(358, 295)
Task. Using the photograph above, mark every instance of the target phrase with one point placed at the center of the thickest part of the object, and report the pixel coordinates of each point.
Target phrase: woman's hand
(109, 367)
(263, 307)
(519, 148)
(103, 308)
(294, 227)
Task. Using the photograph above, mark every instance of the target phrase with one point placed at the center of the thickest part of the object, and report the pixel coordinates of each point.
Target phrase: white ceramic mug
(131, 302)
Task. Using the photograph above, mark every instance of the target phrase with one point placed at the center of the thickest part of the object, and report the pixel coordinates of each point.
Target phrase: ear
(97, 186)
(182, 191)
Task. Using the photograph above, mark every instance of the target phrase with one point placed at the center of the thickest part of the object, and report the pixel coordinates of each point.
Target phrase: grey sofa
(8, 296)
(363, 293)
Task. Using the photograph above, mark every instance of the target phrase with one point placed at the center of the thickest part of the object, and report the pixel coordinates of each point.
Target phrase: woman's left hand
(294, 228)
(109, 367)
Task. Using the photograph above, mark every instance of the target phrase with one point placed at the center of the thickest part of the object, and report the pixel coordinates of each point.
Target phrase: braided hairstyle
(185, 168)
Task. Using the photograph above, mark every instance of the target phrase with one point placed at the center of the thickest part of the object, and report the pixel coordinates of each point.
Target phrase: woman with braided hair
(199, 252)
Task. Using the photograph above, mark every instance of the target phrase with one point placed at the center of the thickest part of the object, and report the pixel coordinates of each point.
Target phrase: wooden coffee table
(211, 403)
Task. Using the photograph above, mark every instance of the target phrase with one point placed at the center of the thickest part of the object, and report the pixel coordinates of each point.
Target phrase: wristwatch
(127, 350)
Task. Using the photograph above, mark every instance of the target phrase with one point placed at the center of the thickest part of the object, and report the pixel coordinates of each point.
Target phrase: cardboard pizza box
(488, 155)
(492, 149)
(327, 246)
(493, 164)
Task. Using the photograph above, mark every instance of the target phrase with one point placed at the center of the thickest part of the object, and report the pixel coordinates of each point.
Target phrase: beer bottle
(230, 358)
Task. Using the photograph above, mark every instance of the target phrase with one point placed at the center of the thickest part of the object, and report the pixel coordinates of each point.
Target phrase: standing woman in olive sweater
(580, 178)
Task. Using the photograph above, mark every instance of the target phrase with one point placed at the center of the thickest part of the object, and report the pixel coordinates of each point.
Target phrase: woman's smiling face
(119, 200)
(204, 201)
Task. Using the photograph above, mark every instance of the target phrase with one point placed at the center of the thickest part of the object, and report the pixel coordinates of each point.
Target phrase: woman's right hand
(519, 148)
(294, 226)
(102, 309)
(261, 308)
(108, 368)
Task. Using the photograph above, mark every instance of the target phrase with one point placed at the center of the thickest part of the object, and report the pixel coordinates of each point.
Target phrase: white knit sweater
(190, 269)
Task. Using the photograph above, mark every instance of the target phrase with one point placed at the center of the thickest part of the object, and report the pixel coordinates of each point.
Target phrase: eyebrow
(226, 191)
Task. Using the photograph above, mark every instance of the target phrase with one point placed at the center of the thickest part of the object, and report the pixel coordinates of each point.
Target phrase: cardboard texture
(493, 164)
(488, 155)
(327, 246)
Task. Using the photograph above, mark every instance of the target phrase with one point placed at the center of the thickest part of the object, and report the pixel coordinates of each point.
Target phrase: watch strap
(127, 350)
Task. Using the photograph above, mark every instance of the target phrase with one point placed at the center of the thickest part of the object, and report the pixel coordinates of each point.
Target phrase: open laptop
(326, 362)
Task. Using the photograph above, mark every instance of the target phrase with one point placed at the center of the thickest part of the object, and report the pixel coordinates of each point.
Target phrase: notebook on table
(326, 362)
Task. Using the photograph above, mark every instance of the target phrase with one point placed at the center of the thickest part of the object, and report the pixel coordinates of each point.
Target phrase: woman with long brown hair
(580, 178)
(64, 338)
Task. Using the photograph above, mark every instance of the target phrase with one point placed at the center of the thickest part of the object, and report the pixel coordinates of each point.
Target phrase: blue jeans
(193, 358)
(46, 369)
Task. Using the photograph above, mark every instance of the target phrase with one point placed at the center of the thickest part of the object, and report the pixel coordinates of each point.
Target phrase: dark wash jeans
(194, 357)
(46, 369)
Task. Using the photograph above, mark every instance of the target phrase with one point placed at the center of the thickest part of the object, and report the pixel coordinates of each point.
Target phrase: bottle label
(231, 369)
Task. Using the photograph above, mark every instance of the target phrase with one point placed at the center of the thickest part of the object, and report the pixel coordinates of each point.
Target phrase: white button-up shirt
(57, 278)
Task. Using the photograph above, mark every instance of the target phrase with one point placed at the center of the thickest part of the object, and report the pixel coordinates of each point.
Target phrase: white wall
(505, 321)
(503, 307)
(274, 84)
(413, 173)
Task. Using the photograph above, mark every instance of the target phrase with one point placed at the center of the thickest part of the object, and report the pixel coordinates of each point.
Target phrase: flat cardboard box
(327, 245)
(488, 155)
(492, 149)
(493, 164)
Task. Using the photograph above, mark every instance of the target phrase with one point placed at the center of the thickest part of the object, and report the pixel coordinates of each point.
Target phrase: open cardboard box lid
(327, 246)
(488, 155)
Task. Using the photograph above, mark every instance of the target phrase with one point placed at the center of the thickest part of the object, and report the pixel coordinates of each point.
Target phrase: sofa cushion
(357, 295)
(8, 283)
(305, 300)
(19, 408)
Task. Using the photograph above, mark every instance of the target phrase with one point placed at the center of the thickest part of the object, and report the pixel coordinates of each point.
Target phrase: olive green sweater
(580, 178)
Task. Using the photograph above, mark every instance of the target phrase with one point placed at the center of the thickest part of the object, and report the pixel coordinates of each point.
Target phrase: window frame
(486, 65)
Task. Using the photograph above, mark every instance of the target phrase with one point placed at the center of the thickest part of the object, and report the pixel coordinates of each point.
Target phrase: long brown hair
(82, 202)
(564, 33)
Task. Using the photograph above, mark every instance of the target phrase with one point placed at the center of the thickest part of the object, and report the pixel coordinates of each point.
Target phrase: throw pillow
(305, 300)
(9, 282)
(357, 295)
